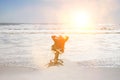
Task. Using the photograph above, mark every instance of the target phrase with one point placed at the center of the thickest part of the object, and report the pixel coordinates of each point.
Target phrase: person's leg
(56, 57)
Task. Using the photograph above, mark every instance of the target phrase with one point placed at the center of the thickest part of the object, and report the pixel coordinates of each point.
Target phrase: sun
(80, 20)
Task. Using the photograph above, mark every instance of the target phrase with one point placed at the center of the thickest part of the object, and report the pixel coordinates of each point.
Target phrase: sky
(57, 11)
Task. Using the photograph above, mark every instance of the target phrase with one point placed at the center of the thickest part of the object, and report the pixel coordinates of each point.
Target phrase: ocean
(29, 45)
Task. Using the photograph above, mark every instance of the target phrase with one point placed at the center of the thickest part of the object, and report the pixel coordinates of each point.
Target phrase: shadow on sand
(52, 63)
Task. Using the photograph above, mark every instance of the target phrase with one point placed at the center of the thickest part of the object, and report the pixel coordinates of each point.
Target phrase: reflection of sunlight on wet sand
(41, 57)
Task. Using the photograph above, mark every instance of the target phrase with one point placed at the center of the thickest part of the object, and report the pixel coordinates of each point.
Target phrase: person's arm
(53, 37)
(66, 38)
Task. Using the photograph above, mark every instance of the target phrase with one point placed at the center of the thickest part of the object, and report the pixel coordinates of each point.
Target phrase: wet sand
(69, 71)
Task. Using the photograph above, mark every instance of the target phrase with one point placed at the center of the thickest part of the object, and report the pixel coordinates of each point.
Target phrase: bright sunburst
(80, 19)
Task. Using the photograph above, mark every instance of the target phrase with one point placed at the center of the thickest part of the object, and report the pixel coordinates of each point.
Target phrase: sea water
(29, 45)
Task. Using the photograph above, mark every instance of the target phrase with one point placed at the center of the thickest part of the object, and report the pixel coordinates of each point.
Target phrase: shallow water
(34, 49)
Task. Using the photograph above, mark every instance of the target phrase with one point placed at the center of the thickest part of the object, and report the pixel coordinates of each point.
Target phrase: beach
(70, 71)
(24, 55)
(59, 40)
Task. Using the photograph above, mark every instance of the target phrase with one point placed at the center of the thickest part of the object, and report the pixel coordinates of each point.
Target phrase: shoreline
(70, 71)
